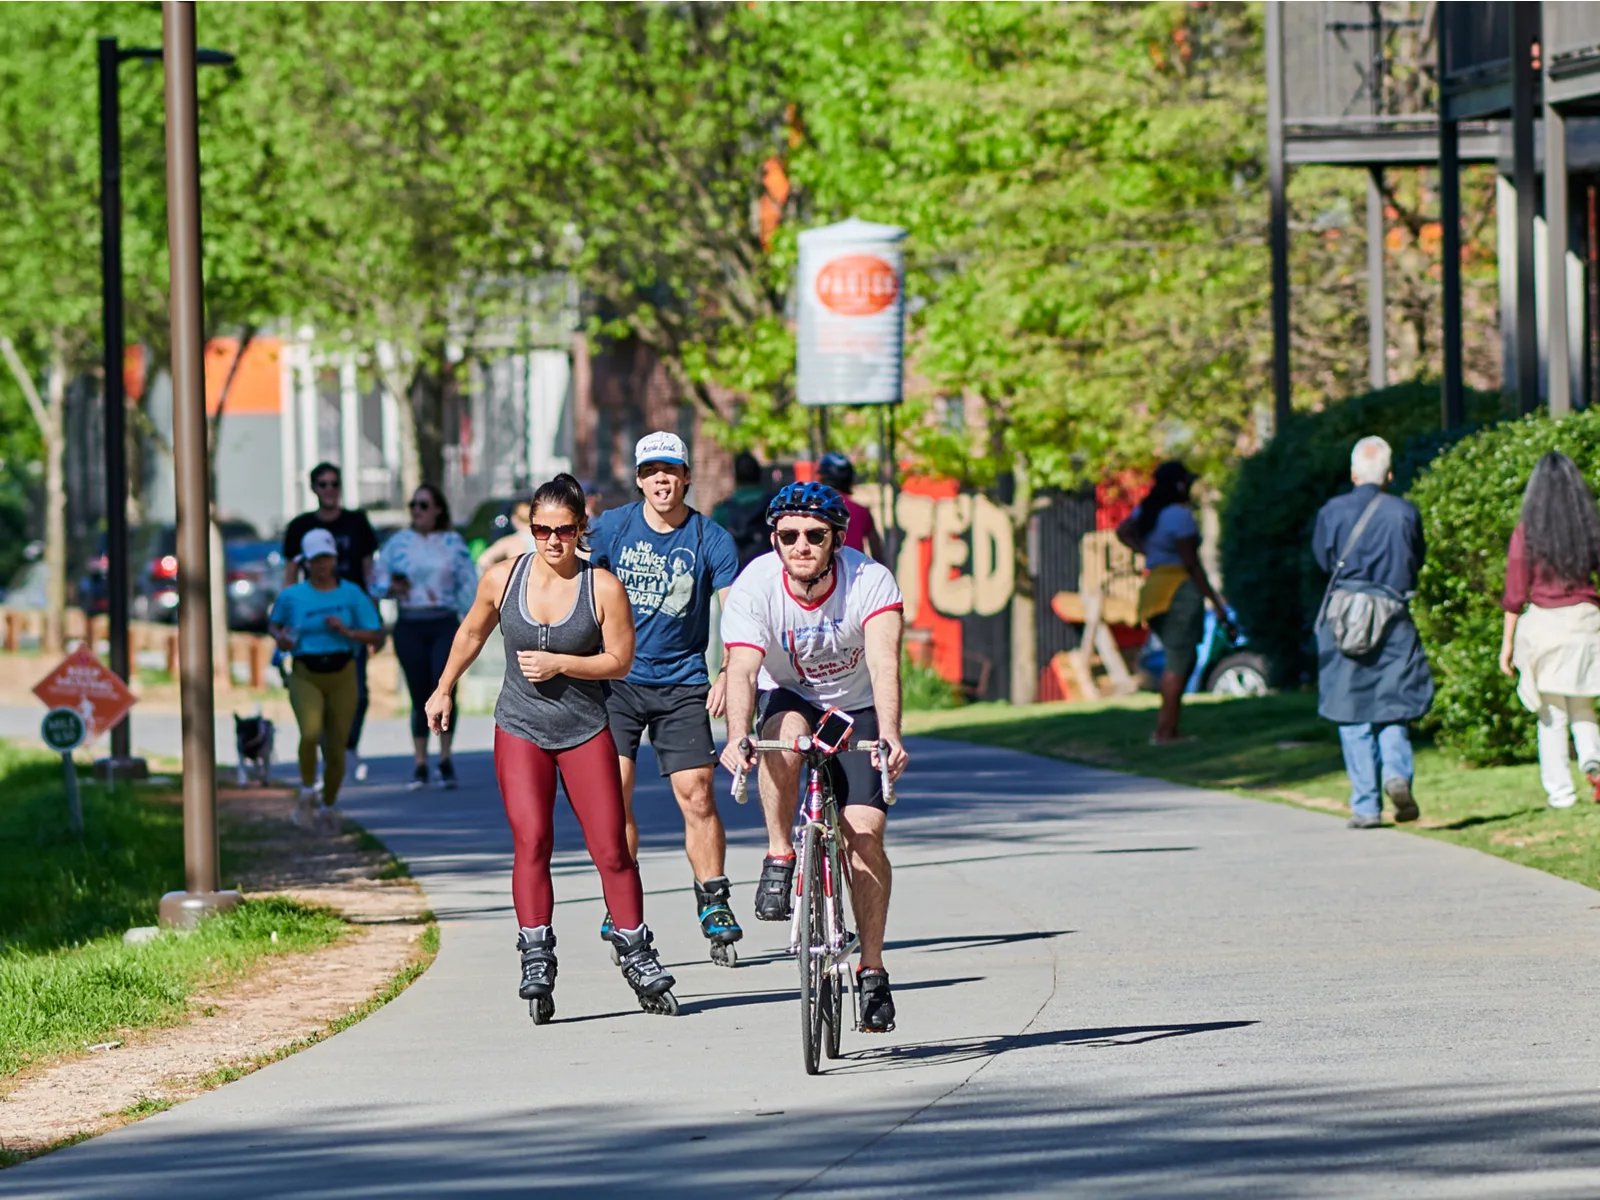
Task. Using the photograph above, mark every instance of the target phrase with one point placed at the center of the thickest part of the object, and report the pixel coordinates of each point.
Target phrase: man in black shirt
(352, 534)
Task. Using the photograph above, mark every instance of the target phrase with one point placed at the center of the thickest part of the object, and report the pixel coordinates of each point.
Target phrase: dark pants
(423, 647)
(361, 699)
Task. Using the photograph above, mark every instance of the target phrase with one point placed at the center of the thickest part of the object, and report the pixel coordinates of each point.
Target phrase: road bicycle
(818, 935)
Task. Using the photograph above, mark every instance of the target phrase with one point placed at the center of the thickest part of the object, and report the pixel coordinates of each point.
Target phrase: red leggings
(527, 777)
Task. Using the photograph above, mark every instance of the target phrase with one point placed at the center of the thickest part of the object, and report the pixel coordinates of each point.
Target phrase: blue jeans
(1368, 751)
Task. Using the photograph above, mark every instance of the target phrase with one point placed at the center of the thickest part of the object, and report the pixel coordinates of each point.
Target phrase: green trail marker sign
(64, 730)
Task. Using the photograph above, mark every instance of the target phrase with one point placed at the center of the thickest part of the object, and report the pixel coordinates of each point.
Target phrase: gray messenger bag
(1358, 617)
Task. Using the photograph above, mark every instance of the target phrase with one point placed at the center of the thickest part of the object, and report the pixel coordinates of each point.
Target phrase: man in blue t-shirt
(670, 559)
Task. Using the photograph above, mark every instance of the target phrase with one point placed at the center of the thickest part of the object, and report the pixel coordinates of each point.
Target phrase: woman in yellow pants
(322, 621)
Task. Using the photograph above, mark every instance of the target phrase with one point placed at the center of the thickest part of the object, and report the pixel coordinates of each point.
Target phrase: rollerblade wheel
(664, 1005)
(542, 1009)
(724, 955)
(616, 957)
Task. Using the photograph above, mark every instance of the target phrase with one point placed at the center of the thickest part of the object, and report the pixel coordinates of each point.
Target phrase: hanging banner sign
(851, 307)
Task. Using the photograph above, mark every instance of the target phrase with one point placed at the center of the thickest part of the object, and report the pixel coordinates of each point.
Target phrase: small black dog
(252, 737)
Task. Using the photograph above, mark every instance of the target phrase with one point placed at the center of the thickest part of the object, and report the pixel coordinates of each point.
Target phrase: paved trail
(1107, 986)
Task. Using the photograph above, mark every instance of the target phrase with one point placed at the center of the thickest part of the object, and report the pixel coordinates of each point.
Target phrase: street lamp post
(122, 763)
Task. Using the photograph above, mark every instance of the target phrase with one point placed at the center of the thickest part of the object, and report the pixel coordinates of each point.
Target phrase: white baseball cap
(660, 447)
(317, 543)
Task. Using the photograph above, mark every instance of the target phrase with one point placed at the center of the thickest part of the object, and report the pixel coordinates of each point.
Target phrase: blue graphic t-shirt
(304, 611)
(670, 578)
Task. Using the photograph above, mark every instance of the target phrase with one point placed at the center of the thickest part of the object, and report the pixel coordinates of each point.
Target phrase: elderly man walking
(1372, 675)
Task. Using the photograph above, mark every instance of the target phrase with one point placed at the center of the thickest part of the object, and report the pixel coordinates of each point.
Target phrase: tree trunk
(428, 404)
(55, 504)
(1024, 632)
(392, 378)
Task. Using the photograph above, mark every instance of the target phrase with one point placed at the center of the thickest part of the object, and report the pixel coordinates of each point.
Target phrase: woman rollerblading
(538, 987)
(566, 627)
(717, 921)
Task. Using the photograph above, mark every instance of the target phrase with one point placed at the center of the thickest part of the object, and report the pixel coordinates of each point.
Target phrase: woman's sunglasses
(813, 535)
(421, 504)
(563, 533)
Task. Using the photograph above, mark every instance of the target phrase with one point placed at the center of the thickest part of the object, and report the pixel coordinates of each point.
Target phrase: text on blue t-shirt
(670, 578)
(304, 611)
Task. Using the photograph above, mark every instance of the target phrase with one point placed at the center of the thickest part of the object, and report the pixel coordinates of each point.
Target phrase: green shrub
(1470, 499)
(1272, 500)
(923, 688)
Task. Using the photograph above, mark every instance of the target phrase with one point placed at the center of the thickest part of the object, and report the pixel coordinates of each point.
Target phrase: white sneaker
(328, 821)
(1563, 801)
(305, 809)
(358, 767)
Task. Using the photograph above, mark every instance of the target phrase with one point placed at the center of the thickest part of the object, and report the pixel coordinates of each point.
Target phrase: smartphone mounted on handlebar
(833, 730)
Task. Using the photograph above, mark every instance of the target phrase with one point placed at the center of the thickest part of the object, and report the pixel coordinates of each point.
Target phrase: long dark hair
(564, 491)
(1171, 481)
(1559, 520)
(441, 507)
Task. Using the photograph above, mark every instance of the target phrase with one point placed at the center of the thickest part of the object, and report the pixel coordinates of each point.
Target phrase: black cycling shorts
(674, 713)
(855, 780)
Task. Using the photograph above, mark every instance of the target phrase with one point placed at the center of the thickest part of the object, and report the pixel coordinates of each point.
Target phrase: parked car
(255, 577)
(153, 568)
(1224, 667)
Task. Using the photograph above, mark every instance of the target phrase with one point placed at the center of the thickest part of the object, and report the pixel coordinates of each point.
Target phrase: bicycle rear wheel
(812, 951)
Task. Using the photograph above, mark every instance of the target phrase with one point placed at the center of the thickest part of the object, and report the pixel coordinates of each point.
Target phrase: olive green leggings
(324, 706)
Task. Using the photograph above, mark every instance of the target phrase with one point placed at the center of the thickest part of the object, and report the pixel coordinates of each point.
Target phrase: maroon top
(1527, 583)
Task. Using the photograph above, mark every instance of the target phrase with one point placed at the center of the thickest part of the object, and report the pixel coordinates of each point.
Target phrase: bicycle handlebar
(808, 745)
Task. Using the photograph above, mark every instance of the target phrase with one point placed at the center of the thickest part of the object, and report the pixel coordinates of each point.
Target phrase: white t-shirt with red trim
(816, 650)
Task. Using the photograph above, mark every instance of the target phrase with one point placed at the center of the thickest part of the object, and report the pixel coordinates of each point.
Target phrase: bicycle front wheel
(813, 951)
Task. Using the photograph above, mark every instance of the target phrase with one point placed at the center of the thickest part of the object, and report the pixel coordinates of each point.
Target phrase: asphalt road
(1107, 986)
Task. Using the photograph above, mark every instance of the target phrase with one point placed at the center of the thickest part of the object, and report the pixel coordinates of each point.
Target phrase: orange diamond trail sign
(86, 685)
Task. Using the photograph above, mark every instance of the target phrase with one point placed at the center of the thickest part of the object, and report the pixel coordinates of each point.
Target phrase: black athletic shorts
(855, 780)
(674, 713)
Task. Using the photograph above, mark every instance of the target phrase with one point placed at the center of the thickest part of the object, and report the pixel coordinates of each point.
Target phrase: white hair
(1369, 461)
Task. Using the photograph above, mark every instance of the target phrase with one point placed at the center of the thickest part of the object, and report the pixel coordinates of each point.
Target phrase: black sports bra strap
(511, 578)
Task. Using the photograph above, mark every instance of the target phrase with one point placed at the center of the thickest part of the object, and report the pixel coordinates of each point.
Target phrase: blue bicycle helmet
(811, 500)
(835, 470)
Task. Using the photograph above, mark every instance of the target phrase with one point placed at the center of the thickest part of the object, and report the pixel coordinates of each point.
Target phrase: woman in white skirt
(1552, 627)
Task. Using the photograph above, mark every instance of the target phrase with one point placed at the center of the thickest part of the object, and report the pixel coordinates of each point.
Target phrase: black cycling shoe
(775, 891)
(877, 1005)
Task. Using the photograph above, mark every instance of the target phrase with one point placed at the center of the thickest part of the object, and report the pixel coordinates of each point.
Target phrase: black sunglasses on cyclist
(813, 535)
(563, 533)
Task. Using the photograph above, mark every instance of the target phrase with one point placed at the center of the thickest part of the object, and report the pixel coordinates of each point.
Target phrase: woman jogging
(1172, 600)
(566, 627)
(429, 571)
(323, 621)
(1552, 626)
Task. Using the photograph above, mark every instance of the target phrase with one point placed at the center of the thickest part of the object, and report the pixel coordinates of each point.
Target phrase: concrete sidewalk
(1107, 986)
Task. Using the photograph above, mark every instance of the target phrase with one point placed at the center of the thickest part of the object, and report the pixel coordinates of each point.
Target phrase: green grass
(1276, 748)
(63, 1000)
(58, 888)
(66, 979)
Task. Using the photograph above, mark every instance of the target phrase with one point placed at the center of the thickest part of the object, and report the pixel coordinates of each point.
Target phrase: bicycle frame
(818, 811)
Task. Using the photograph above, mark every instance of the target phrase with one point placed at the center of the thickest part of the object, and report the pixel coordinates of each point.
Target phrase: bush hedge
(1470, 497)
(1270, 506)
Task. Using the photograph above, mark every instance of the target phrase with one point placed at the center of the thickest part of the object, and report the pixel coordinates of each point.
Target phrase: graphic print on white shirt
(817, 652)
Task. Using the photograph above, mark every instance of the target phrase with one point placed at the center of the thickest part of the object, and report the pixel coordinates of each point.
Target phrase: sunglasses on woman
(813, 535)
(421, 505)
(563, 533)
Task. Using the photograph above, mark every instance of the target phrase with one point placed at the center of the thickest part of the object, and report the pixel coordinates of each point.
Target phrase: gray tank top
(559, 713)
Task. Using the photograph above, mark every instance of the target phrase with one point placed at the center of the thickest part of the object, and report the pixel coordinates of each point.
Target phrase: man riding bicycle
(821, 625)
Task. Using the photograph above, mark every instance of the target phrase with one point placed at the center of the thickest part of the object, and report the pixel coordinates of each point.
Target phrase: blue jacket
(1392, 682)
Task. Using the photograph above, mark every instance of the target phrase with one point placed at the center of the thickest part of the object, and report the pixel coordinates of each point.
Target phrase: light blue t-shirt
(669, 578)
(304, 611)
(1173, 522)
